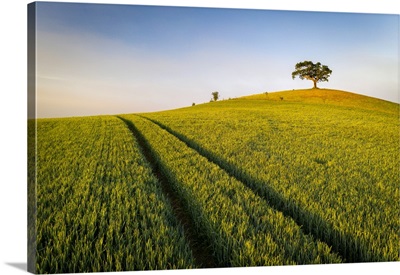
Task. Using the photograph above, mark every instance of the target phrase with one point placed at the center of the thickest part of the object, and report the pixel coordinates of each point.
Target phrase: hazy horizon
(111, 59)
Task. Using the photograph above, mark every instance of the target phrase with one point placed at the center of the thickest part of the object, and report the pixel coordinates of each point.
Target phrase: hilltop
(327, 96)
(328, 159)
(313, 175)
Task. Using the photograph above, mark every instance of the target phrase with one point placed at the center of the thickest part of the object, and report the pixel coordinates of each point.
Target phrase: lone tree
(215, 95)
(314, 72)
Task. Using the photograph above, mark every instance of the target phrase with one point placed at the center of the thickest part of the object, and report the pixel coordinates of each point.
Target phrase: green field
(285, 178)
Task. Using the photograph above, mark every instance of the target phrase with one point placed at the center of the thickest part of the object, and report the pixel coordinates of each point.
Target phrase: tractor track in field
(351, 250)
(200, 248)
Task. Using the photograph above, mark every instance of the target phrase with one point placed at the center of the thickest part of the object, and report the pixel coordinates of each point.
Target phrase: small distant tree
(193, 104)
(215, 95)
(310, 71)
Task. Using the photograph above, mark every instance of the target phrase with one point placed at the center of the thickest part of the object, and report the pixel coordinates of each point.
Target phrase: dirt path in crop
(350, 249)
(200, 248)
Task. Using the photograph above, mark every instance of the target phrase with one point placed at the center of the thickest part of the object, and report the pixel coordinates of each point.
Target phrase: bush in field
(215, 96)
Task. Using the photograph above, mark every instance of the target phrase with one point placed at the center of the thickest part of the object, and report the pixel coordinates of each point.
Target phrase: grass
(312, 173)
(332, 166)
(330, 97)
(99, 206)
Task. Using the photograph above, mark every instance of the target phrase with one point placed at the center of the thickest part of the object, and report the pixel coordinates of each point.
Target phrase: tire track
(200, 248)
(350, 249)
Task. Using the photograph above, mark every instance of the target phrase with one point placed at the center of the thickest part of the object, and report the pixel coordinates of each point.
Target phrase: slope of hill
(328, 96)
(329, 159)
(293, 177)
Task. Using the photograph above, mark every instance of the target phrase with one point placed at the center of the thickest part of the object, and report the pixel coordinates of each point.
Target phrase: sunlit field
(286, 178)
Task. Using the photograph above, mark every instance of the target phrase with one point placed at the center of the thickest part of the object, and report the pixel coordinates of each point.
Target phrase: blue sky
(111, 59)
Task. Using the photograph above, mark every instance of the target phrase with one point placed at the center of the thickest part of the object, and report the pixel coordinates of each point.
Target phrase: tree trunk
(315, 84)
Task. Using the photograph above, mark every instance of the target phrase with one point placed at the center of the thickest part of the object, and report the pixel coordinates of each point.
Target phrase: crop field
(253, 181)
(99, 207)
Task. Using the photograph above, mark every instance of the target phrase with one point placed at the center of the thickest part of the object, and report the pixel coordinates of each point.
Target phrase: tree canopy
(215, 95)
(310, 71)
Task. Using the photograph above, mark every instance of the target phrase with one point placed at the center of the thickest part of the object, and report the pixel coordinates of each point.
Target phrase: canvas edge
(31, 139)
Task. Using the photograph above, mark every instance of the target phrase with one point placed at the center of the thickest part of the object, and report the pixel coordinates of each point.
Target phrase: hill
(326, 158)
(307, 179)
(328, 96)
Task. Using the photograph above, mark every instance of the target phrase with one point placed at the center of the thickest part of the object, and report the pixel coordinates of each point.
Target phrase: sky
(111, 59)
